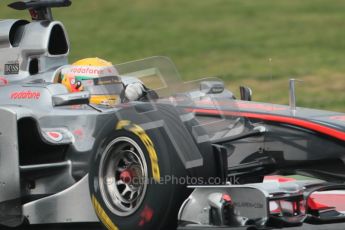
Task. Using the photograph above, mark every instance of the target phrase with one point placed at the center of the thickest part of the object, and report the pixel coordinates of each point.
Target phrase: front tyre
(126, 180)
(122, 175)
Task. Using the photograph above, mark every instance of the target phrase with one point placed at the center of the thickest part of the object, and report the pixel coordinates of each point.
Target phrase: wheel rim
(123, 176)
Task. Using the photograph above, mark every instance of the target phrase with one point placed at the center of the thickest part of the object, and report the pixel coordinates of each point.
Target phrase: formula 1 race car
(184, 155)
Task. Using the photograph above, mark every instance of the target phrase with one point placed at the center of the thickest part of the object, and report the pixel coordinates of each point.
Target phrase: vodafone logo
(25, 95)
(87, 70)
(90, 71)
(55, 136)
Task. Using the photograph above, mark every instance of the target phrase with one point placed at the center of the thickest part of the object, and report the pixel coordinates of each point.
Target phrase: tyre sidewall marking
(102, 215)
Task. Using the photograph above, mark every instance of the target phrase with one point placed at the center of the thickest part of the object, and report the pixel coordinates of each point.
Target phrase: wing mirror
(246, 93)
(79, 98)
(212, 87)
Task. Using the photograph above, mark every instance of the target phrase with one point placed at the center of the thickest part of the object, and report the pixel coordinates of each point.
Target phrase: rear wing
(40, 9)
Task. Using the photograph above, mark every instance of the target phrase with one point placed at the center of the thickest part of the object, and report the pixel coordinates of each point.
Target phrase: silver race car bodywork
(50, 138)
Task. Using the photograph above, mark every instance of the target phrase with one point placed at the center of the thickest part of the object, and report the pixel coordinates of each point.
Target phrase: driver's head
(95, 75)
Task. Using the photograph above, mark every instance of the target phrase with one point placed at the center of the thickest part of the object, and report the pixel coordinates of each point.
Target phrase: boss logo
(11, 69)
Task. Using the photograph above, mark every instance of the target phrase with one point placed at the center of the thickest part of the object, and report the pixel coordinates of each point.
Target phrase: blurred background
(260, 44)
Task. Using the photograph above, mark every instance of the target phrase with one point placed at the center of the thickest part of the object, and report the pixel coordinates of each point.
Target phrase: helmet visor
(104, 90)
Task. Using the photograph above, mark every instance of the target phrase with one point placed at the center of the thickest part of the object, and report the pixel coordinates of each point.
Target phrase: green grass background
(259, 43)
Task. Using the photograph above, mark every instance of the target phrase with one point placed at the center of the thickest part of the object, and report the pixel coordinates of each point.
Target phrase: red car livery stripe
(280, 119)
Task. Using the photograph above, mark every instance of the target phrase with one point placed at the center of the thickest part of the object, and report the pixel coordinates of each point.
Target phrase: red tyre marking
(146, 216)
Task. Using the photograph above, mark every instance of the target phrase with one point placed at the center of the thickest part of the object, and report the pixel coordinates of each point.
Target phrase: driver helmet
(97, 76)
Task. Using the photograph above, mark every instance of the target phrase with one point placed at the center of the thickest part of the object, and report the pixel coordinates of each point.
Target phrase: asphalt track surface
(98, 227)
